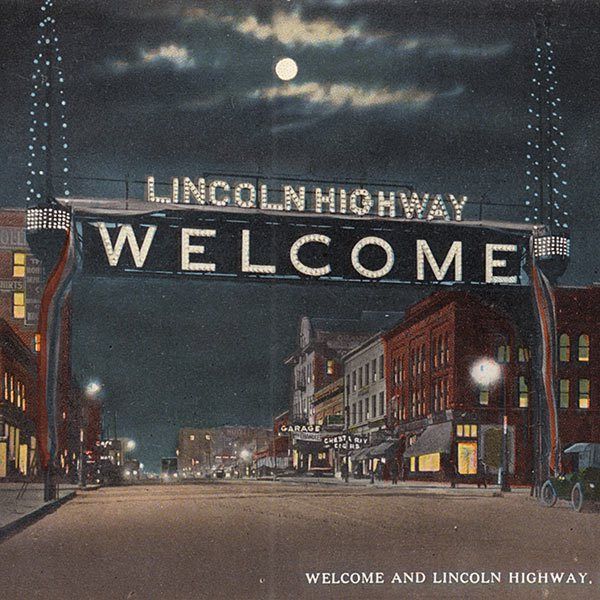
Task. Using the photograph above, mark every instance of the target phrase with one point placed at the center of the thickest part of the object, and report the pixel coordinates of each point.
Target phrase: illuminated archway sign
(243, 231)
(221, 229)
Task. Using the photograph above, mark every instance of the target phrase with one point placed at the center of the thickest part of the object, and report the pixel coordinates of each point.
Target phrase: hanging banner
(227, 244)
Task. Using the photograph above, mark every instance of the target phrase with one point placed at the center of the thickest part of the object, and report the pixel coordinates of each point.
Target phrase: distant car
(220, 474)
(582, 486)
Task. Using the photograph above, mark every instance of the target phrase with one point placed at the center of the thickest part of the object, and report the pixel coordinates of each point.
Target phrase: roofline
(368, 342)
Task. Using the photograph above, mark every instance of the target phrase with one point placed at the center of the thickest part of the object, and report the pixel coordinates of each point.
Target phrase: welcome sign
(218, 244)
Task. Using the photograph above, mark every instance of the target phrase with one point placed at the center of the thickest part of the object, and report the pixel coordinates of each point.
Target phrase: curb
(401, 489)
(35, 515)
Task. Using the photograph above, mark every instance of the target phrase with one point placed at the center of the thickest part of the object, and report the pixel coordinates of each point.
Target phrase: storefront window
(429, 463)
(467, 458)
(413, 464)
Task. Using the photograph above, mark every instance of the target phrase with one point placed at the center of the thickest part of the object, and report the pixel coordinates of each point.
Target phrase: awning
(383, 449)
(579, 447)
(361, 454)
(435, 438)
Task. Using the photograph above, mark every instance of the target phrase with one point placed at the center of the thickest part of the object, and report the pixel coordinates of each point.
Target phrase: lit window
(12, 389)
(5, 385)
(19, 264)
(523, 392)
(484, 396)
(37, 342)
(466, 431)
(584, 393)
(564, 393)
(413, 463)
(192, 437)
(429, 463)
(564, 351)
(19, 305)
(523, 355)
(583, 348)
(467, 458)
(503, 354)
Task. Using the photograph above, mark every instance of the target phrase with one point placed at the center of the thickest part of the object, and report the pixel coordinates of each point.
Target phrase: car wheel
(548, 495)
(578, 501)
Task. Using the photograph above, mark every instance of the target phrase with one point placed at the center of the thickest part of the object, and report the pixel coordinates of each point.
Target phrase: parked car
(582, 486)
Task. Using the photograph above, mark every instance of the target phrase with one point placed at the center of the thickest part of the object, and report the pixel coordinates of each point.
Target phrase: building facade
(366, 401)
(18, 406)
(449, 419)
(21, 286)
(317, 362)
(201, 451)
(448, 424)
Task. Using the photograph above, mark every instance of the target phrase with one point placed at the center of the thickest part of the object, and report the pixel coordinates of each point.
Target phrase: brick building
(317, 362)
(202, 450)
(578, 386)
(449, 424)
(21, 288)
(276, 456)
(18, 406)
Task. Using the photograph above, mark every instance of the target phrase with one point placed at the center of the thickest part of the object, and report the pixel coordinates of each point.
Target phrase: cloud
(345, 95)
(292, 29)
(449, 47)
(167, 55)
(287, 28)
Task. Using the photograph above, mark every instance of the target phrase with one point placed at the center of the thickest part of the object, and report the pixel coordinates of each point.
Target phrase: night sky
(432, 93)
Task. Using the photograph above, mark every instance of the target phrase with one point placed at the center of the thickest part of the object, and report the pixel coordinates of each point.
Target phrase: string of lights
(546, 189)
(48, 125)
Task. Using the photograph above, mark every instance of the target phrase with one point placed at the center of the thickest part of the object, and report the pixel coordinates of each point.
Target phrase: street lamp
(486, 372)
(208, 438)
(91, 391)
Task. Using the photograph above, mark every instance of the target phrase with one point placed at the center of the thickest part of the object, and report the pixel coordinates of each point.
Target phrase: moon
(286, 69)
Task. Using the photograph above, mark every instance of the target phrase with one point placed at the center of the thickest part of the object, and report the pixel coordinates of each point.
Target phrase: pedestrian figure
(394, 471)
(482, 474)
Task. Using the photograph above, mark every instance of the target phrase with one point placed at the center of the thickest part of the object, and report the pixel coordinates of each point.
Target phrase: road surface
(247, 540)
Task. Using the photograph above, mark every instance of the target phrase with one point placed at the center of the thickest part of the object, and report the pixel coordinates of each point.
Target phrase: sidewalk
(432, 487)
(18, 508)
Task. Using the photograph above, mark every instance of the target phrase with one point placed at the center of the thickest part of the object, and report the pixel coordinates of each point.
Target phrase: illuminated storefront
(17, 406)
